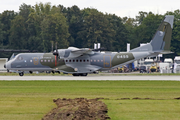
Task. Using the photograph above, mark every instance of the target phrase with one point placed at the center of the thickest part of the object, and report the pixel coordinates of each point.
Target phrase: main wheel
(75, 74)
(83, 74)
(21, 73)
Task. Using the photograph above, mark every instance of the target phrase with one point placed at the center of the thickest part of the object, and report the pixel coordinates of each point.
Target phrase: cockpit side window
(19, 58)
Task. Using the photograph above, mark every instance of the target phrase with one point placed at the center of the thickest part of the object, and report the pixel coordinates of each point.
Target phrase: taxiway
(174, 78)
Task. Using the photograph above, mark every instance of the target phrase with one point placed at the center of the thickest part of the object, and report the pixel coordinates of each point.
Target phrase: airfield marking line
(174, 78)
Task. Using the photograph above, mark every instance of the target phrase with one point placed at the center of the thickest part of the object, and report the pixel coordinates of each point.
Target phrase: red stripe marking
(55, 61)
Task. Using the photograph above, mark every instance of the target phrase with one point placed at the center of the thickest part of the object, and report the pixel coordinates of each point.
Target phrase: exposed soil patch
(177, 98)
(78, 109)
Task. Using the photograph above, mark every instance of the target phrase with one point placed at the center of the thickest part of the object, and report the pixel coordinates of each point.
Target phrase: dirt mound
(177, 98)
(78, 109)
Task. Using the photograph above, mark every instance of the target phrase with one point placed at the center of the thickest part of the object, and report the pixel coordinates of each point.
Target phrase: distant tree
(141, 16)
(24, 11)
(54, 28)
(75, 22)
(5, 19)
(130, 25)
(145, 32)
(176, 33)
(121, 37)
(17, 36)
(47, 23)
(96, 28)
(1, 34)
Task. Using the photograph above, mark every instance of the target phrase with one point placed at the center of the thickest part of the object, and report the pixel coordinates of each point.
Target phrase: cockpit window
(19, 58)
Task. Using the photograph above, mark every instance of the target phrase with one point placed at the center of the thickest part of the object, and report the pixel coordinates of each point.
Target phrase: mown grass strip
(32, 99)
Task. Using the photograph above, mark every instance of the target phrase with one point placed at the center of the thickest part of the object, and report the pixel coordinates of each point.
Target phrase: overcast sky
(122, 8)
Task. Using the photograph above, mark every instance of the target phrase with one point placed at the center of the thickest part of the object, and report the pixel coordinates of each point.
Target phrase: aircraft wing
(81, 51)
(76, 52)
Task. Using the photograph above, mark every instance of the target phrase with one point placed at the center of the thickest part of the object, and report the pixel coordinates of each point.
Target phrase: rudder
(162, 38)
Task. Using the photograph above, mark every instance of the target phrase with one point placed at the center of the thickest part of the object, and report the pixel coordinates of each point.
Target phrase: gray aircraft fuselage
(91, 62)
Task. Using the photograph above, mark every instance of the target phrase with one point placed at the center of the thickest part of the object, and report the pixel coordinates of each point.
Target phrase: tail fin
(162, 38)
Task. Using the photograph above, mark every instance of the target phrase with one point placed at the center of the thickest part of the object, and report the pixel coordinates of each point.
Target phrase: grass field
(31, 100)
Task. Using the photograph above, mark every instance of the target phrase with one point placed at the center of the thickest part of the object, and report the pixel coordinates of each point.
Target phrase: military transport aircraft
(80, 62)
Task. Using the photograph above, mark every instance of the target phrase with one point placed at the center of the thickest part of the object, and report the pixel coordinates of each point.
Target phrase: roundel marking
(35, 60)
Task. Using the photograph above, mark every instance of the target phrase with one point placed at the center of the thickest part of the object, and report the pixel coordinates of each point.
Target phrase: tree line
(36, 27)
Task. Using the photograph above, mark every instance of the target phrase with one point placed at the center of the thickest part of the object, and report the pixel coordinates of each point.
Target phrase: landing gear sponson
(79, 74)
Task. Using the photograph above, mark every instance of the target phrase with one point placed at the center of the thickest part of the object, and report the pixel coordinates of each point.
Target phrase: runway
(28, 78)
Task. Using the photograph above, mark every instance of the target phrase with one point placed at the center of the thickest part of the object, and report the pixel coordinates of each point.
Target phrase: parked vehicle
(177, 64)
(142, 69)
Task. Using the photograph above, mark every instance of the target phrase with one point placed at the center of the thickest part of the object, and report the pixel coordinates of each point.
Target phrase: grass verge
(32, 99)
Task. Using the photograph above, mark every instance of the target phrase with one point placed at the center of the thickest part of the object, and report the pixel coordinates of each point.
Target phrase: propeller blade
(56, 49)
(56, 54)
(52, 45)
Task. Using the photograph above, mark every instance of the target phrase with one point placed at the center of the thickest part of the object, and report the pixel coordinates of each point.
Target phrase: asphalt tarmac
(96, 77)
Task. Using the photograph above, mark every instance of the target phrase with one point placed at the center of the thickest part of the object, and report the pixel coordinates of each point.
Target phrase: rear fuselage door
(107, 61)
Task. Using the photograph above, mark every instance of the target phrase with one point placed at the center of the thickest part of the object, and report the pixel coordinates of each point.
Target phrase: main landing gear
(79, 74)
(21, 73)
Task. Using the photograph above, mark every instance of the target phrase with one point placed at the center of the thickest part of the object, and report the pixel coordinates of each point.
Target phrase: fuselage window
(66, 60)
(98, 60)
(73, 60)
(48, 60)
(76, 60)
(51, 60)
(80, 60)
(69, 60)
(91, 60)
(44, 60)
(101, 60)
(84, 60)
(94, 60)
(31, 60)
(87, 60)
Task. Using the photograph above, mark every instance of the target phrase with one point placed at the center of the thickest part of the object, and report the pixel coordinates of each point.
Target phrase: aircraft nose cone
(7, 65)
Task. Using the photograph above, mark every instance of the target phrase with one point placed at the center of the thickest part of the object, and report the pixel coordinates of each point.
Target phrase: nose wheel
(21, 73)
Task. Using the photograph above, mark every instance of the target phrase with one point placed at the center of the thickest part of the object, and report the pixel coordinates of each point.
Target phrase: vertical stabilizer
(162, 38)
